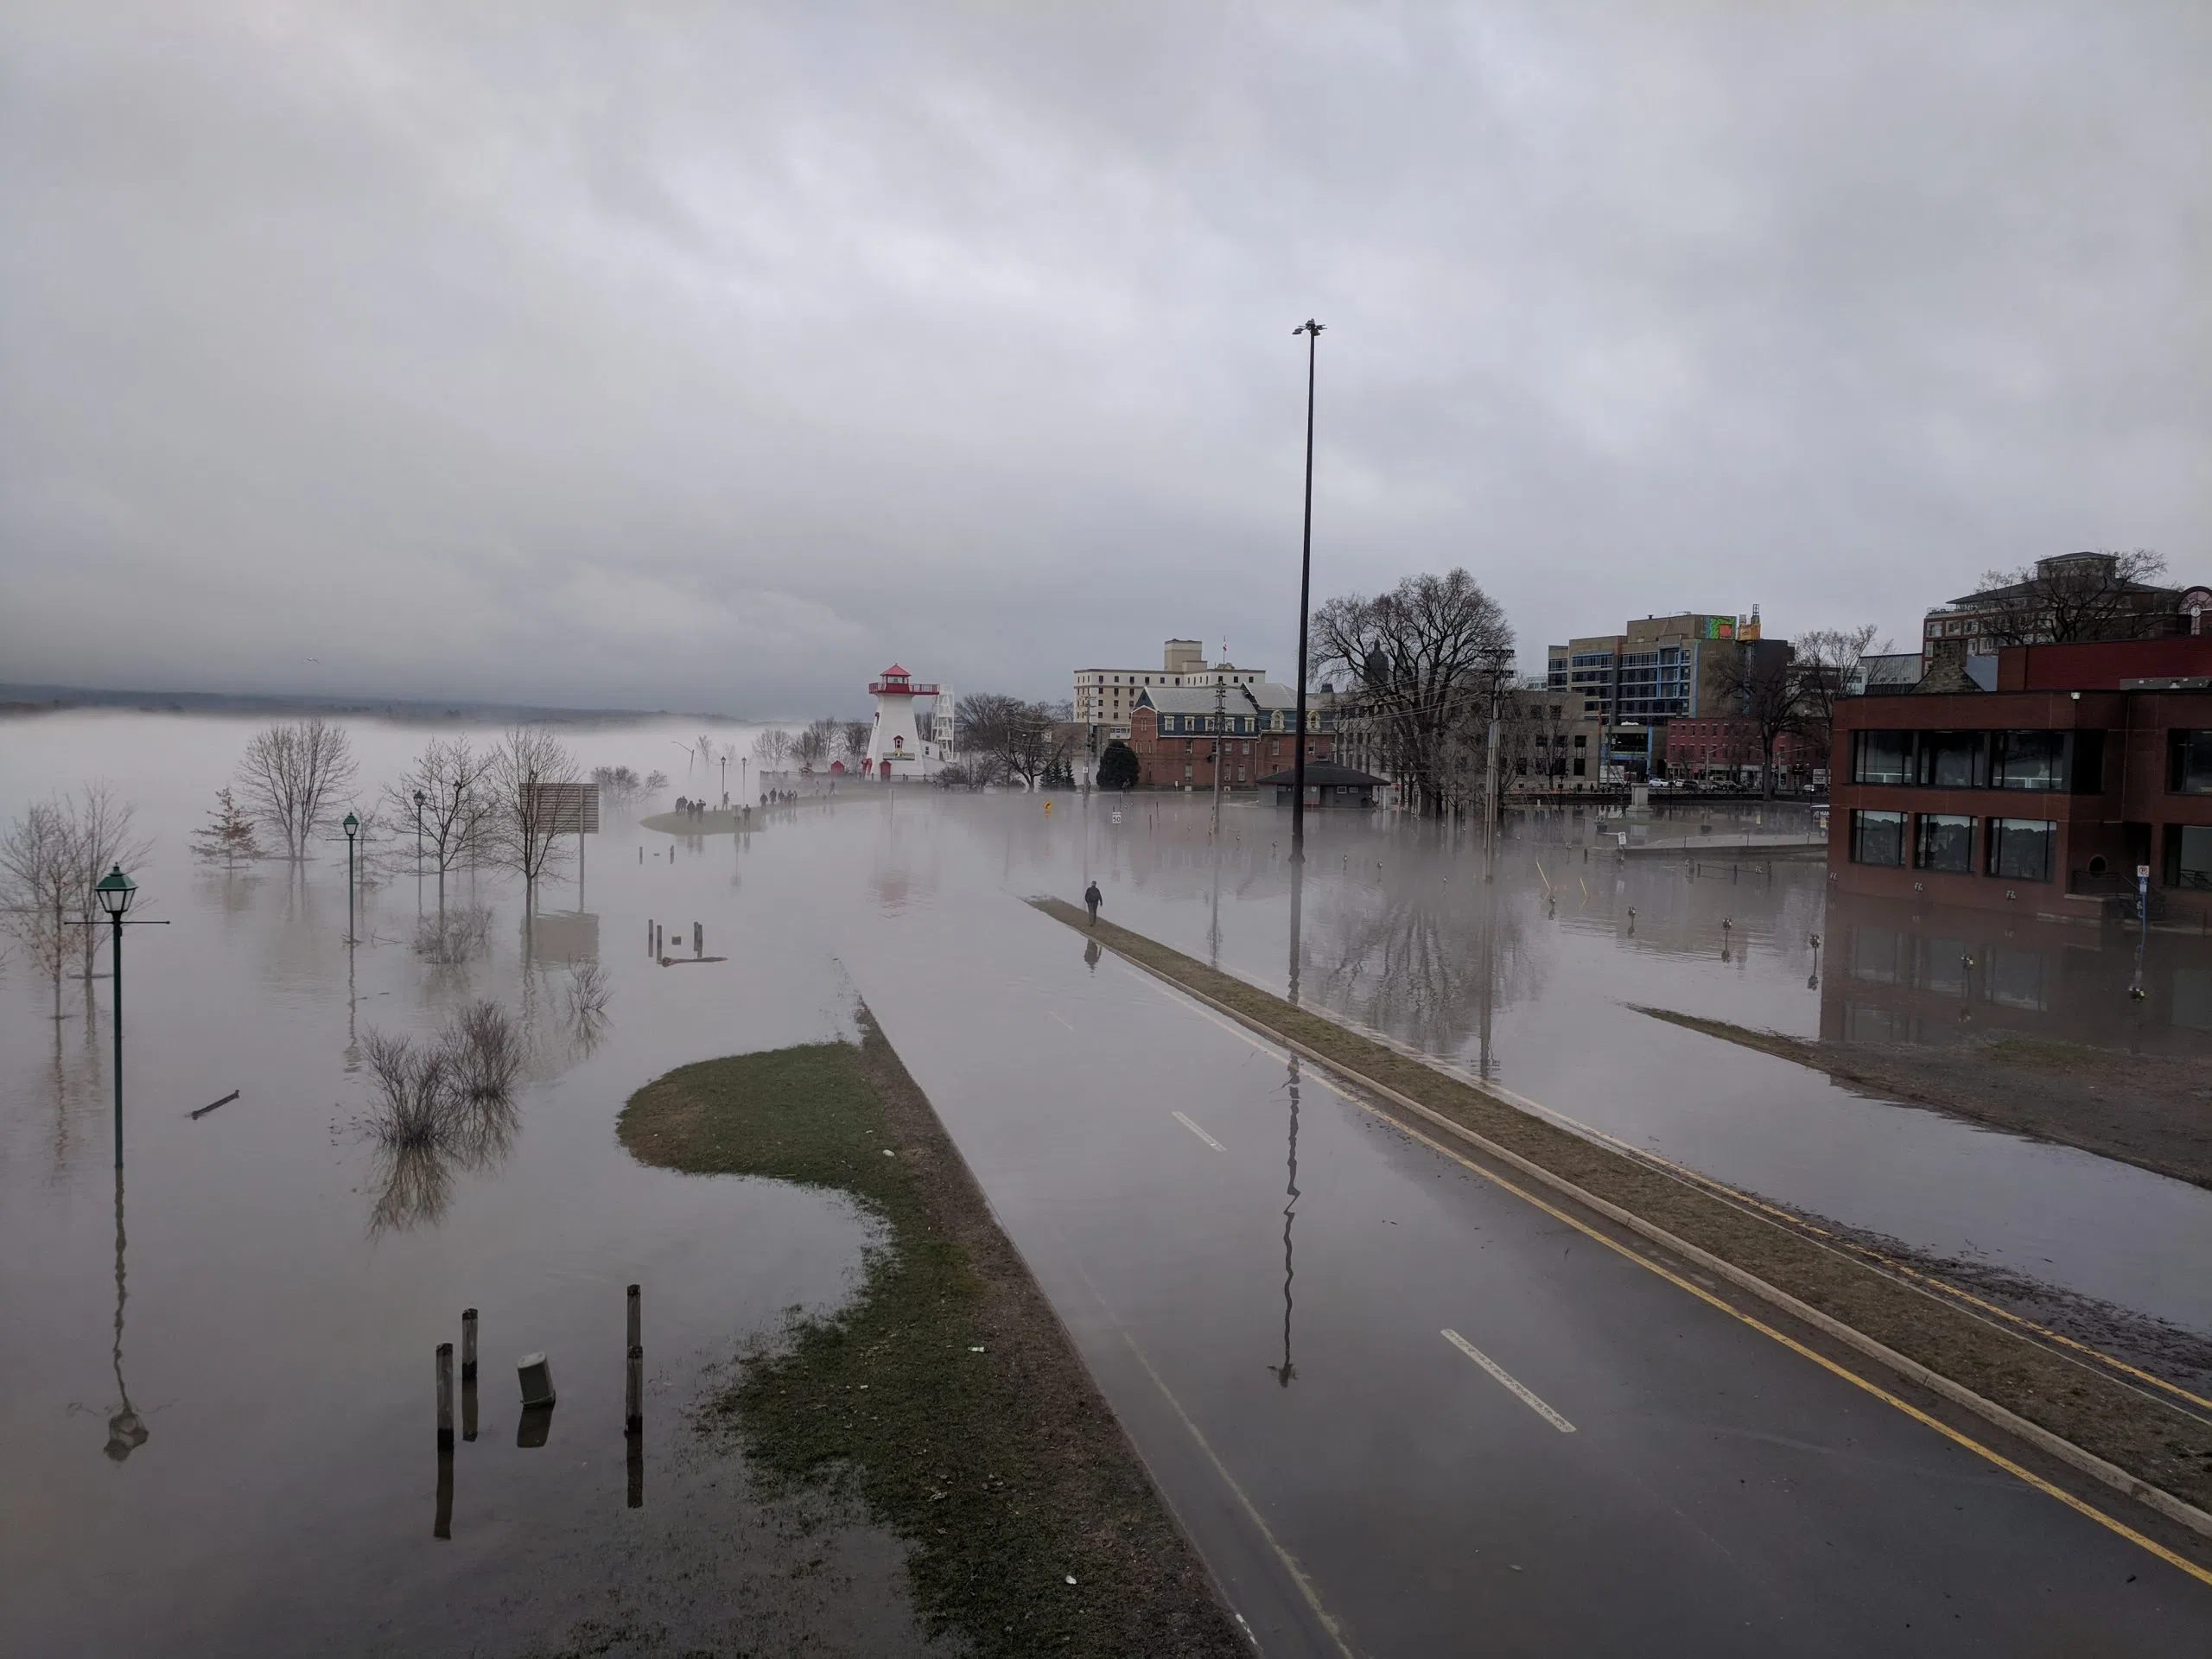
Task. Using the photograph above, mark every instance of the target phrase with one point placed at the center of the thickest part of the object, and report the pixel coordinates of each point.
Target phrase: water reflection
(1286, 1371)
(126, 1431)
(1906, 973)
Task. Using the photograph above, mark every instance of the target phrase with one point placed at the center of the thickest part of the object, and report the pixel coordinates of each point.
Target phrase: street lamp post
(1312, 330)
(353, 826)
(115, 891)
(418, 834)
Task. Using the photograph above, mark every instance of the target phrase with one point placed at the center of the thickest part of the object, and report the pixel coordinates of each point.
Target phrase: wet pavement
(1260, 1274)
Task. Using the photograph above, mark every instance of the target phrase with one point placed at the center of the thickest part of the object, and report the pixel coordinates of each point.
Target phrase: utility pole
(1312, 330)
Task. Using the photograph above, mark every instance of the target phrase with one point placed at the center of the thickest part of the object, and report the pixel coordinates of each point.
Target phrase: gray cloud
(699, 355)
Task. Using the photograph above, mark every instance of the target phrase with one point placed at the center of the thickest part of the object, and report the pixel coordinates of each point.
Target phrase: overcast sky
(712, 356)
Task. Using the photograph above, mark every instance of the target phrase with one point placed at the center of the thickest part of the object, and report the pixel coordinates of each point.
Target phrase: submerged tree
(526, 768)
(38, 872)
(1429, 663)
(292, 776)
(228, 837)
(457, 806)
(1019, 737)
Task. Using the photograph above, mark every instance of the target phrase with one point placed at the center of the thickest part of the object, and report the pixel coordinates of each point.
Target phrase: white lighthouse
(896, 748)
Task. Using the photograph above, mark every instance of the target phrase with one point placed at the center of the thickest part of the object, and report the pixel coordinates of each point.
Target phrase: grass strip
(946, 1392)
(2167, 1447)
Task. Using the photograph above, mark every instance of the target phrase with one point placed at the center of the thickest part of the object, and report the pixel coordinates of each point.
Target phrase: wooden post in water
(445, 1396)
(468, 1344)
(633, 1388)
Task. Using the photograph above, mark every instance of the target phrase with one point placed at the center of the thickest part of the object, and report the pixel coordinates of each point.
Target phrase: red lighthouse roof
(894, 671)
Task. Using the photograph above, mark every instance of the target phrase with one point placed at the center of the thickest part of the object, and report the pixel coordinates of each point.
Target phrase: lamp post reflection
(1286, 1371)
(126, 1432)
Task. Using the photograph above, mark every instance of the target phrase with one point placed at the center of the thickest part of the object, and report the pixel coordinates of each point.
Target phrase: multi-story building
(1173, 731)
(2087, 763)
(1654, 671)
(1107, 696)
(2025, 612)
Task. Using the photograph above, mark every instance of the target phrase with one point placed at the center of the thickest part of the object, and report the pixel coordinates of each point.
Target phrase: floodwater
(217, 1413)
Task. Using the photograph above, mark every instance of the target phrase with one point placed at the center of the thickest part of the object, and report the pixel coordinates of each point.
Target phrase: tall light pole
(1312, 330)
(353, 826)
(115, 891)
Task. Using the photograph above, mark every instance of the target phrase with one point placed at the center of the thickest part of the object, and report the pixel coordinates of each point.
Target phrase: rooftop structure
(1108, 695)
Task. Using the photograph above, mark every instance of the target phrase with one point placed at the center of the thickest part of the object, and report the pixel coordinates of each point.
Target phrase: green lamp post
(353, 826)
(115, 891)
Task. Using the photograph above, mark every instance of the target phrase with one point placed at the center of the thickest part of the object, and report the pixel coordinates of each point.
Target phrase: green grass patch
(945, 1395)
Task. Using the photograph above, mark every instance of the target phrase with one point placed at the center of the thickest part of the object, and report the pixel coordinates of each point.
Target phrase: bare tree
(2078, 597)
(99, 839)
(1759, 682)
(773, 748)
(461, 801)
(1428, 661)
(525, 833)
(292, 776)
(620, 787)
(1018, 736)
(814, 747)
(38, 873)
(1827, 663)
(855, 735)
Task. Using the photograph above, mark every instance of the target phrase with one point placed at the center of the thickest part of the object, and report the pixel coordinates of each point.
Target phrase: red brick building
(1727, 746)
(2086, 762)
(1172, 729)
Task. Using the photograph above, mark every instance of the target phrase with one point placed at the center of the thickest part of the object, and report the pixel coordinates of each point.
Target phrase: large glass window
(1953, 759)
(2188, 762)
(2019, 848)
(1878, 838)
(1882, 758)
(1945, 842)
(2188, 855)
(2027, 759)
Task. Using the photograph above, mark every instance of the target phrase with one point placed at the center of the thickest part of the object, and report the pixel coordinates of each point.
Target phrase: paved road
(1451, 1421)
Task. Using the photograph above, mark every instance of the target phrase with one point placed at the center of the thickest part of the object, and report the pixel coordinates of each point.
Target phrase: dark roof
(1328, 774)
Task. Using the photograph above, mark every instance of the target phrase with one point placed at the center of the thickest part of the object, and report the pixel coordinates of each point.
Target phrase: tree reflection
(1429, 964)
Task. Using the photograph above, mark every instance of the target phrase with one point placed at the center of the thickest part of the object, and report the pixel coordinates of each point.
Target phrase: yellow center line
(2111, 1522)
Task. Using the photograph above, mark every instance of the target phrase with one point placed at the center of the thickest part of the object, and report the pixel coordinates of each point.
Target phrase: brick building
(1726, 746)
(2046, 793)
(1172, 729)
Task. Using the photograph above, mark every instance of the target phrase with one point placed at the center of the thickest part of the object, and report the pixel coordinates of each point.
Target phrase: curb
(2065, 1450)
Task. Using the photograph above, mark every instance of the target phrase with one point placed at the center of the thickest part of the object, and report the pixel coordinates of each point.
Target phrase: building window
(2019, 848)
(1952, 761)
(2028, 760)
(1945, 842)
(1878, 838)
(2188, 855)
(1579, 764)
(1882, 758)
(2188, 762)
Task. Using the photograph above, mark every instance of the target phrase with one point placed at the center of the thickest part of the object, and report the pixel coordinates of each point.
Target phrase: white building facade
(1107, 696)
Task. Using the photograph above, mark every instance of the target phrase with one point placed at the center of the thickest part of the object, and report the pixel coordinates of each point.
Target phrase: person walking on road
(1091, 900)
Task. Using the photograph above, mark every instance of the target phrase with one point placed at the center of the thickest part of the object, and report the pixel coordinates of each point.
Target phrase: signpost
(570, 808)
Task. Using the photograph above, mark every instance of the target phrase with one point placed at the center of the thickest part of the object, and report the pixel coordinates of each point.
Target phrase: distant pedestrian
(1091, 900)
